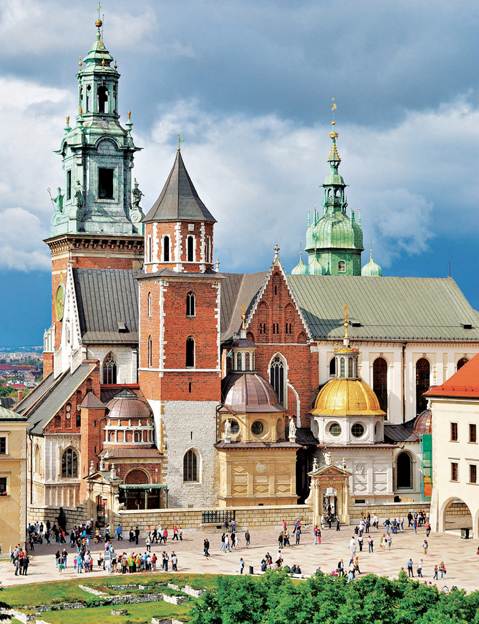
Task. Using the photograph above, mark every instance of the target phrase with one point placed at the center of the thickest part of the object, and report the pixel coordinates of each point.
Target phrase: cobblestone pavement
(459, 555)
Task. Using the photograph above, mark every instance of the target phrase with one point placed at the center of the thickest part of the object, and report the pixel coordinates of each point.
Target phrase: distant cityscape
(20, 371)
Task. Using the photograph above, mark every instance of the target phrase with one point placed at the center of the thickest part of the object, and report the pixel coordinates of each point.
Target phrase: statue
(137, 195)
(79, 195)
(227, 434)
(292, 430)
(327, 459)
(315, 464)
(58, 200)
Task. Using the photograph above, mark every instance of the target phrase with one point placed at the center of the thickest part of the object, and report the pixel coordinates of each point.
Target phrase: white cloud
(22, 234)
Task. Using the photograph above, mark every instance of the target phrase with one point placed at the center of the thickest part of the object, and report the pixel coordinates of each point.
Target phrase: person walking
(223, 543)
(206, 547)
(352, 546)
(436, 572)
(119, 532)
(425, 546)
(241, 565)
(410, 570)
(360, 542)
(370, 544)
(137, 535)
(389, 541)
(419, 568)
(427, 526)
(442, 569)
(174, 561)
(247, 538)
(148, 543)
(338, 524)
(298, 536)
(341, 567)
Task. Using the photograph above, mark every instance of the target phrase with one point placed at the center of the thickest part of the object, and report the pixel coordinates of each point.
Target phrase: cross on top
(243, 315)
(276, 250)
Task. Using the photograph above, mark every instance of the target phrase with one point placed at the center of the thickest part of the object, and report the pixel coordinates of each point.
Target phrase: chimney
(19, 396)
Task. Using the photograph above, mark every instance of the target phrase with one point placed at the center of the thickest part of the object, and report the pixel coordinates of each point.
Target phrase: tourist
(360, 542)
(442, 569)
(425, 546)
(223, 543)
(247, 538)
(389, 540)
(352, 545)
(341, 568)
(233, 525)
(419, 568)
(132, 534)
(338, 524)
(148, 543)
(165, 561)
(119, 532)
(226, 525)
(370, 544)
(180, 533)
(298, 536)
(137, 535)
(174, 561)
(387, 524)
(280, 539)
(175, 533)
(383, 541)
(436, 572)
(427, 526)
(410, 570)
(165, 535)
(241, 565)
(206, 547)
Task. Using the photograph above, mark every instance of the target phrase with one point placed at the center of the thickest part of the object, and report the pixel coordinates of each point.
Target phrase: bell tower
(97, 219)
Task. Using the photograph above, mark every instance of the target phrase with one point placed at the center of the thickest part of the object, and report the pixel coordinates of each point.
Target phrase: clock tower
(97, 220)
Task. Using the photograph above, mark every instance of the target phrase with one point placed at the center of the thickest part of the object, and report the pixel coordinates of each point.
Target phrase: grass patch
(137, 614)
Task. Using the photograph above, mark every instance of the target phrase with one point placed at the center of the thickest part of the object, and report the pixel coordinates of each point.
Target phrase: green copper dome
(300, 268)
(371, 269)
(315, 267)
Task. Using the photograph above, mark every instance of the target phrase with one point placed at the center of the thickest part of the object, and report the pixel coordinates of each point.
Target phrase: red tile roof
(464, 383)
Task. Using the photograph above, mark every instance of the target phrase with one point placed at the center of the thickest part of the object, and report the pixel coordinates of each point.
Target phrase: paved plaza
(459, 555)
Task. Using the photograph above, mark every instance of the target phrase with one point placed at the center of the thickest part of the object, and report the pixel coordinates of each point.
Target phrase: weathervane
(180, 140)
(334, 135)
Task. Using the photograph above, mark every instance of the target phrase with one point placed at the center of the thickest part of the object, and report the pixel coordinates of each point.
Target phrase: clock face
(60, 302)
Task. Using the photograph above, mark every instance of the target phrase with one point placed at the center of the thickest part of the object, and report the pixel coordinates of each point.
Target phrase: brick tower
(95, 224)
(180, 372)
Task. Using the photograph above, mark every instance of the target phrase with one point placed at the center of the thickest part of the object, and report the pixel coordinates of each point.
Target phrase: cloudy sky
(249, 85)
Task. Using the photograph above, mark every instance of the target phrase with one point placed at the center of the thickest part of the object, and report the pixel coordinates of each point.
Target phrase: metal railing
(216, 517)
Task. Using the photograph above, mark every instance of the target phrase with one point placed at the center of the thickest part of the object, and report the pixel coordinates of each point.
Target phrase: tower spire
(98, 23)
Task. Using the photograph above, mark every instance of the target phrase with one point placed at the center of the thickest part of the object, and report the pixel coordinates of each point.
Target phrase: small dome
(315, 267)
(249, 392)
(300, 268)
(243, 343)
(347, 397)
(371, 269)
(126, 404)
(423, 424)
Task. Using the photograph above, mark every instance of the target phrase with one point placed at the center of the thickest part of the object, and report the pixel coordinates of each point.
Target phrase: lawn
(137, 614)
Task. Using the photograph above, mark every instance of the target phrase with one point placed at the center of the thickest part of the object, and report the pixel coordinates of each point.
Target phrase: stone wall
(42, 514)
(457, 509)
(388, 510)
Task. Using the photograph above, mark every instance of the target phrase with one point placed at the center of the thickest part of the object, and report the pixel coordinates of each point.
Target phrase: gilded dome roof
(126, 404)
(249, 392)
(347, 397)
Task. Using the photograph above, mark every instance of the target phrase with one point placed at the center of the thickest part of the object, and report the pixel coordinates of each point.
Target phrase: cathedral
(170, 384)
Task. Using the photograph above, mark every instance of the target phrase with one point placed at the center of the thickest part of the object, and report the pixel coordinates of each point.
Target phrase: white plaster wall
(126, 361)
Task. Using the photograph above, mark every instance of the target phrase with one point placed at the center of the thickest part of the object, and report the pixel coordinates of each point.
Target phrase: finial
(67, 127)
(180, 140)
(217, 267)
(115, 65)
(276, 251)
(129, 115)
(98, 22)
(333, 135)
(80, 63)
(309, 217)
(346, 320)
(80, 111)
(359, 216)
(243, 316)
(103, 62)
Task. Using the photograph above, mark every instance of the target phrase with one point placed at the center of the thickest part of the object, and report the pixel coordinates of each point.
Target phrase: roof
(305, 437)
(53, 400)
(178, 199)
(400, 433)
(247, 393)
(463, 384)
(91, 401)
(106, 298)
(232, 446)
(390, 308)
(6, 414)
(237, 289)
(35, 395)
(135, 453)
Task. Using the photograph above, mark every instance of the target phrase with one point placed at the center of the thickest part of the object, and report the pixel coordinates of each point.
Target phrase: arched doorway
(136, 498)
(457, 515)
(380, 382)
(423, 375)
(461, 362)
(404, 476)
(330, 501)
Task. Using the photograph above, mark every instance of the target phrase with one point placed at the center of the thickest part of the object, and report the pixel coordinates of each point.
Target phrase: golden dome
(347, 397)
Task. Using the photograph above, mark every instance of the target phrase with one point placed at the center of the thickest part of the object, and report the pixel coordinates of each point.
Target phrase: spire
(371, 269)
(334, 158)
(179, 200)
(300, 268)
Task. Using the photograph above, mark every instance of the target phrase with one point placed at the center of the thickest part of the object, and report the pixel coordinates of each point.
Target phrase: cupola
(371, 269)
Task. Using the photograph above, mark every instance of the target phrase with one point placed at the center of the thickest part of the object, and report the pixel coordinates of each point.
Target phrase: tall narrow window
(454, 436)
(276, 378)
(105, 183)
(109, 369)
(332, 367)
(208, 249)
(342, 368)
(69, 184)
(150, 352)
(69, 464)
(380, 382)
(190, 352)
(288, 328)
(404, 471)
(262, 328)
(190, 304)
(102, 100)
(238, 362)
(350, 367)
(149, 252)
(3, 446)
(275, 328)
(149, 304)
(190, 249)
(166, 248)
(472, 433)
(472, 473)
(454, 471)
(423, 370)
(190, 466)
(88, 99)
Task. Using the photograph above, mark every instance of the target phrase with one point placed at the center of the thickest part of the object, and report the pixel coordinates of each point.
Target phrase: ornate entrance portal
(329, 478)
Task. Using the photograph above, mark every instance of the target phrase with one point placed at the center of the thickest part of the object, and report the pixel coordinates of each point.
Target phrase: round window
(257, 427)
(234, 427)
(335, 429)
(357, 430)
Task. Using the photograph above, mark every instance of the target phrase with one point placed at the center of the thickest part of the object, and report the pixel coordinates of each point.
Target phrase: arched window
(423, 372)
(166, 248)
(69, 464)
(461, 362)
(190, 249)
(332, 367)
(149, 304)
(137, 477)
(276, 378)
(102, 100)
(38, 460)
(150, 352)
(190, 466)
(247, 365)
(380, 382)
(238, 362)
(404, 471)
(342, 367)
(350, 367)
(341, 266)
(137, 436)
(88, 99)
(190, 304)
(109, 369)
(190, 352)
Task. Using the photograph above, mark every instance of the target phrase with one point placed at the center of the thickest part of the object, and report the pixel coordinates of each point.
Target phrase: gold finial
(243, 316)
(115, 66)
(180, 140)
(103, 63)
(346, 320)
(129, 114)
(68, 119)
(80, 63)
(98, 22)
(80, 111)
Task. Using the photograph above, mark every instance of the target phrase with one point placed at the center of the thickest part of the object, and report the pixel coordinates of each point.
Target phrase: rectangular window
(288, 328)
(69, 184)
(453, 432)
(262, 328)
(3, 486)
(149, 250)
(472, 433)
(78, 419)
(454, 471)
(105, 183)
(3, 446)
(275, 328)
(472, 473)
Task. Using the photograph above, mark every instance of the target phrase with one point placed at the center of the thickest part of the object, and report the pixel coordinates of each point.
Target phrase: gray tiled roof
(237, 289)
(178, 199)
(107, 297)
(387, 308)
(56, 396)
(35, 394)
